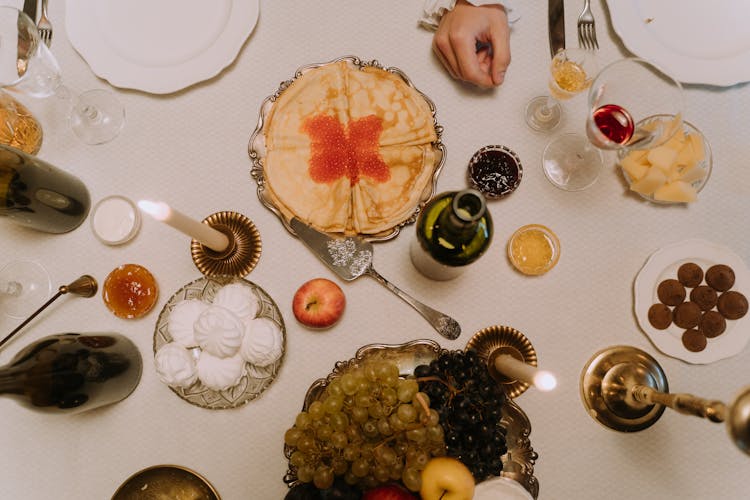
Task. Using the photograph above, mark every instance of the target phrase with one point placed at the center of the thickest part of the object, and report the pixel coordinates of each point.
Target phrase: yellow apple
(446, 478)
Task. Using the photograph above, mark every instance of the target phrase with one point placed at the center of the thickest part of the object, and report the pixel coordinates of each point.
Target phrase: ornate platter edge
(256, 146)
(518, 462)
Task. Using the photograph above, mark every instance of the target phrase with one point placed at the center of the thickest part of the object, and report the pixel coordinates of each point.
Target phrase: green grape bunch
(369, 426)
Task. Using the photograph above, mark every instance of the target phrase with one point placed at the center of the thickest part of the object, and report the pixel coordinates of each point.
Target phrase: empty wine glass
(570, 73)
(24, 286)
(623, 101)
(28, 66)
(571, 163)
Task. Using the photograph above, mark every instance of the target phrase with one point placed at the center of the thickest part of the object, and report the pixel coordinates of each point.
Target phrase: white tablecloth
(190, 150)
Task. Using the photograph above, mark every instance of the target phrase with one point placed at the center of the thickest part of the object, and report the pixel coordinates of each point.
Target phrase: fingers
(469, 68)
(441, 45)
(501, 54)
(460, 58)
(473, 44)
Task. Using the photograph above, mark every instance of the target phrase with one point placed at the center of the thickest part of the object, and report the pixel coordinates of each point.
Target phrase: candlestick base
(606, 381)
(241, 255)
(493, 341)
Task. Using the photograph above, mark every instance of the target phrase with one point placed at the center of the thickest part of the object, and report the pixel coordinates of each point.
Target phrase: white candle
(205, 234)
(518, 370)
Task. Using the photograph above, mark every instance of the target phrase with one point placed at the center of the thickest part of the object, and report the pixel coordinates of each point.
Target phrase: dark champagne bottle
(453, 230)
(33, 193)
(71, 372)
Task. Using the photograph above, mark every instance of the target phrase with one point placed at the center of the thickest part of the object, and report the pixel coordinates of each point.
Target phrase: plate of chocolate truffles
(691, 301)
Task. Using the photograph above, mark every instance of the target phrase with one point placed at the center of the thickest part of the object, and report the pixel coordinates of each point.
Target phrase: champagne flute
(570, 73)
(28, 66)
(24, 286)
(624, 102)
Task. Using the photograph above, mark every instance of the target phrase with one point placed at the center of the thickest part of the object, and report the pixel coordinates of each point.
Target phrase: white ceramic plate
(499, 488)
(663, 264)
(159, 46)
(692, 40)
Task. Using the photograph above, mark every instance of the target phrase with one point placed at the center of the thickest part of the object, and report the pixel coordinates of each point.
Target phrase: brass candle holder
(625, 389)
(495, 341)
(241, 255)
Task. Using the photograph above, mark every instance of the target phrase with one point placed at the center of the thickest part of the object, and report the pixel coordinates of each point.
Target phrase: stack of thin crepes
(349, 149)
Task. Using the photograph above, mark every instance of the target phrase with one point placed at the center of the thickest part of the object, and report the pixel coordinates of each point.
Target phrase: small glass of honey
(533, 249)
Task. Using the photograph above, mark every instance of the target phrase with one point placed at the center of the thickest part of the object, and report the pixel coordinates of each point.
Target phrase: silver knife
(29, 8)
(351, 257)
(556, 19)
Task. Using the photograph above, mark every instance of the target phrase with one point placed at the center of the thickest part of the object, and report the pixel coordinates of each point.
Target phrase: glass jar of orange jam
(130, 291)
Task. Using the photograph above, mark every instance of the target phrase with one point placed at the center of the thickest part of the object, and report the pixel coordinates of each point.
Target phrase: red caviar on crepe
(349, 149)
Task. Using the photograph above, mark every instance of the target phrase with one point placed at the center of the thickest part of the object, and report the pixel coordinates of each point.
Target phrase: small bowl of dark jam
(495, 171)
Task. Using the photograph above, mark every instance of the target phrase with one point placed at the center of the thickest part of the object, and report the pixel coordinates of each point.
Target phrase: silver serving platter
(255, 380)
(518, 462)
(256, 147)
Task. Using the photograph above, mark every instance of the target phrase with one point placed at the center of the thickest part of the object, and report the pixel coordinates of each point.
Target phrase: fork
(586, 28)
(44, 26)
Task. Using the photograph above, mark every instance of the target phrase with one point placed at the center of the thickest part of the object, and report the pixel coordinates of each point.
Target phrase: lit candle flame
(513, 368)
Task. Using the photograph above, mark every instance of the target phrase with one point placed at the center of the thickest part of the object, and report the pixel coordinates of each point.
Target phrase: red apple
(445, 478)
(389, 492)
(319, 303)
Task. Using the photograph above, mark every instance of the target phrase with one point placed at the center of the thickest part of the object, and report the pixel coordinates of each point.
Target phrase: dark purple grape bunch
(469, 403)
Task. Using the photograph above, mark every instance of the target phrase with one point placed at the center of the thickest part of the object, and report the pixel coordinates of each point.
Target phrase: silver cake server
(351, 257)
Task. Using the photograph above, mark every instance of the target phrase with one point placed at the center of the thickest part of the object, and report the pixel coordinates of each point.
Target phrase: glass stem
(544, 112)
(550, 103)
(64, 93)
(85, 112)
(12, 288)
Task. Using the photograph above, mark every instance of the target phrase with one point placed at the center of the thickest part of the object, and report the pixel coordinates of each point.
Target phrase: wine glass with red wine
(623, 101)
(627, 103)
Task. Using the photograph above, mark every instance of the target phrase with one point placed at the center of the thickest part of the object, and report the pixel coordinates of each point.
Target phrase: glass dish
(255, 380)
(520, 252)
(115, 220)
(518, 462)
(705, 164)
(256, 148)
(495, 171)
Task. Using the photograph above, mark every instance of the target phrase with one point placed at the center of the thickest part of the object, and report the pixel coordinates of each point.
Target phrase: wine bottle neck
(10, 381)
(464, 213)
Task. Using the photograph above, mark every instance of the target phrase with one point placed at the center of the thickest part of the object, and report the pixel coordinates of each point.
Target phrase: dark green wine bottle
(71, 372)
(38, 195)
(453, 230)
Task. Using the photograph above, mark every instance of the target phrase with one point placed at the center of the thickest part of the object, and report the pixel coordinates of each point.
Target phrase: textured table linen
(189, 149)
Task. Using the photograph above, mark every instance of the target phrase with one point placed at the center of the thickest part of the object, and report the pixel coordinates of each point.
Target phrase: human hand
(467, 27)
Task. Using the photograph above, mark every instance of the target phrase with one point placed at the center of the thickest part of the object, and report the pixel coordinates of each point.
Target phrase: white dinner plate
(693, 40)
(663, 264)
(501, 488)
(159, 46)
